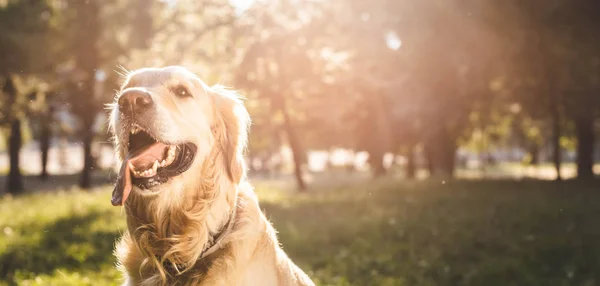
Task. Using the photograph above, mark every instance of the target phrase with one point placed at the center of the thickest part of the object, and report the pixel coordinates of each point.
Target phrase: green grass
(379, 233)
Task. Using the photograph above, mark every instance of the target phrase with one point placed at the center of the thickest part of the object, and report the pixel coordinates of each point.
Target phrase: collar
(219, 242)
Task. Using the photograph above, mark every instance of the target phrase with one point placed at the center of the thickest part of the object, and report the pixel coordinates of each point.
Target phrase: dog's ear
(232, 134)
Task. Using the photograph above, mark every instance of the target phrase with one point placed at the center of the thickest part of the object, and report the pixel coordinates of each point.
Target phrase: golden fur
(174, 223)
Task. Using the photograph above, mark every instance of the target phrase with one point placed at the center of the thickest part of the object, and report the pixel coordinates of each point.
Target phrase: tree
(15, 179)
(437, 54)
(576, 25)
(282, 69)
(45, 123)
(25, 26)
(564, 52)
(93, 51)
(85, 45)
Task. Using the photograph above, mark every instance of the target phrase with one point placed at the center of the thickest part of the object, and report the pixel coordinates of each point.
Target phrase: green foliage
(58, 237)
(386, 233)
(369, 75)
(25, 26)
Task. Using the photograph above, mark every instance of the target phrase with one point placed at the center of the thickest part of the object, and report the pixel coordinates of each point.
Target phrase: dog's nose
(134, 101)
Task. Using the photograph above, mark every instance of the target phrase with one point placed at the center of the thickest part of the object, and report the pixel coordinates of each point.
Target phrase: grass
(380, 233)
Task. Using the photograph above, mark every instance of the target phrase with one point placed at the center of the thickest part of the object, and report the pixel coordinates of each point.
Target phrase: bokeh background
(394, 142)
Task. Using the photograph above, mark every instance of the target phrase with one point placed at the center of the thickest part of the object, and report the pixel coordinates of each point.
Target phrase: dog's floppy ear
(232, 134)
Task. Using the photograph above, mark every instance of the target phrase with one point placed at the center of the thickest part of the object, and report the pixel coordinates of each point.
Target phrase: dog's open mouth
(150, 163)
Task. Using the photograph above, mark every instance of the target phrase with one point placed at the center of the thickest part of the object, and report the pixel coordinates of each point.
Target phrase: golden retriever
(192, 217)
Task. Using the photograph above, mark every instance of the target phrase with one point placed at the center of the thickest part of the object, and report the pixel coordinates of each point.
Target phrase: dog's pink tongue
(140, 161)
(144, 159)
(123, 185)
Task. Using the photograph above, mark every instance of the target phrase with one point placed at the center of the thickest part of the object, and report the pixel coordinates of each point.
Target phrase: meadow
(384, 232)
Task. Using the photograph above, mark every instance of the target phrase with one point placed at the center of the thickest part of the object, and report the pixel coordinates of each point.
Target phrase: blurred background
(394, 142)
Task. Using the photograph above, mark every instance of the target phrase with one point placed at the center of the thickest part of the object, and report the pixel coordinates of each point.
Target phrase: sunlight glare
(170, 3)
(241, 5)
(393, 41)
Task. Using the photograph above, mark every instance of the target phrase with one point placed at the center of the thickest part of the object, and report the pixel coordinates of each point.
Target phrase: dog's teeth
(135, 129)
(149, 172)
(171, 153)
(131, 167)
(170, 159)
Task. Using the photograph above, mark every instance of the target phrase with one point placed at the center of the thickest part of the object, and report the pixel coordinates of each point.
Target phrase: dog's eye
(181, 91)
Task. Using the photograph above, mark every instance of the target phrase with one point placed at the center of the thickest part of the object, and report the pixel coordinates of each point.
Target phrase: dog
(192, 217)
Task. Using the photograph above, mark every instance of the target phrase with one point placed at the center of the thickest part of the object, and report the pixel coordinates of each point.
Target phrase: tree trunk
(429, 159)
(556, 133)
(534, 151)
(584, 126)
(88, 160)
(350, 165)
(376, 163)
(329, 160)
(87, 60)
(377, 132)
(447, 161)
(483, 155)
(45, 145)
(15, 179)
(444, 155)
(410, 163)
(294, 145)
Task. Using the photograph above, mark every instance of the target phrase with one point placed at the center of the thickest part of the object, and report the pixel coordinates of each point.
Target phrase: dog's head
(166, 124)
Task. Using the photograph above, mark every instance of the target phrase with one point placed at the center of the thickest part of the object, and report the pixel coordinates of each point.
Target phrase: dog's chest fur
(252, 257)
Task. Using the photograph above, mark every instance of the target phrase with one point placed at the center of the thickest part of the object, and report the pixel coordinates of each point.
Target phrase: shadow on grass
(451, 233)
(384, 233)
(69, 243)
(33, 183)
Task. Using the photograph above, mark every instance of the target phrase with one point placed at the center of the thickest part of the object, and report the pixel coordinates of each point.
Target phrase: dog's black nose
(134, 101)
